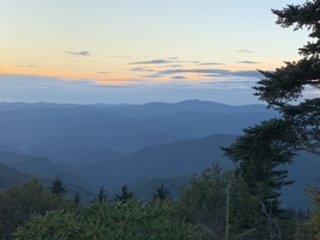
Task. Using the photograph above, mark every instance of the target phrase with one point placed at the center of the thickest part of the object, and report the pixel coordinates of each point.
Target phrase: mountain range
(139, 145)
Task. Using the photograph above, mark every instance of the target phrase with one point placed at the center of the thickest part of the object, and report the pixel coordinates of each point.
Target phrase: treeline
(217, 205)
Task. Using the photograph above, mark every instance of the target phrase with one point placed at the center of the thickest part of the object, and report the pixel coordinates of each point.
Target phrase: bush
(131, 220)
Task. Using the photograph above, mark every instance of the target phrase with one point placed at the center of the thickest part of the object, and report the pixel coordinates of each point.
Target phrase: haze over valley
(89, 146)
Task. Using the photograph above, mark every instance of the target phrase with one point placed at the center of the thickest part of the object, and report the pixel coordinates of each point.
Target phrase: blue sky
(139, 51)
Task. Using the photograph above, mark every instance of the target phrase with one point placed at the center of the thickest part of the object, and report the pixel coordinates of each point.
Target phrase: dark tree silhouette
(284, 88)
(57, 187)
(102, 195)
(77, 198)
(161, 193)
(125, 194)
(259, 153)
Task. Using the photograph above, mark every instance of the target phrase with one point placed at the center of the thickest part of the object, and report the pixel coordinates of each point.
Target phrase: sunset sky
(125, 51)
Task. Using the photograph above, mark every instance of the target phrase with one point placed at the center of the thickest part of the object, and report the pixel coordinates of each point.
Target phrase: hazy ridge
(141, 145)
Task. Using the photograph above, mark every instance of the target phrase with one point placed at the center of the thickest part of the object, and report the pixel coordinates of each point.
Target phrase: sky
(125, 51)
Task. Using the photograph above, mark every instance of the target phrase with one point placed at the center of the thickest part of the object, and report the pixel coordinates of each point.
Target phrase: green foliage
(204, 204)
(161, 193)
(287, 84)
(305, 231)
(204, 201)
(57, 187)
(130, 220)
(18, 203)
(311, 229)
(219, 202)
(262, 149)
(259, 153)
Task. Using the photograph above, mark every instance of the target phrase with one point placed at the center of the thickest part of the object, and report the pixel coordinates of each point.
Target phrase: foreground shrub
(131, 220)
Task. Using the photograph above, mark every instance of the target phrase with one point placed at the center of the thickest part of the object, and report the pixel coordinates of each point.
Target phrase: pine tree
(259, 153)
(77, 199)
(161, 193)
(286, 88)
(102, 195)
(57, 187)
(125, 194)
(264, 148)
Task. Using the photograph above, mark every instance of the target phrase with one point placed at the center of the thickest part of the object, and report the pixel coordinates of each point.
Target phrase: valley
(89, 146)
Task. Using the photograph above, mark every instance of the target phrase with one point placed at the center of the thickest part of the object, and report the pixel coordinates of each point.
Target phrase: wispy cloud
(245, 51)
(213, 71)
(80, 53)
(186, 61)
(25, 88)
(153, 61)
(175, 66)
(193, 70)
(120, 56)
(141, 69)
(168, 60)
(247, 73)
(155, 75)
(138, 69)
(210, 63)
(248, 62)
(178, 77)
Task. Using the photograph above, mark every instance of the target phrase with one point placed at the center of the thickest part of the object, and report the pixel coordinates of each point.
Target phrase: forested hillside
(111, 145)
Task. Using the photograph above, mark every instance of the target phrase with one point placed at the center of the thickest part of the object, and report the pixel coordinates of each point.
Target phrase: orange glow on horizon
(124, 76)
(98, 78)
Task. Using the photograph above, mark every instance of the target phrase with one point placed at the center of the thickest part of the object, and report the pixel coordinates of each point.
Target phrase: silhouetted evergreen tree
(263, 150)
(125, 194)
(260, 155)
(161, 193)
(102, 195)
(57, 187)
(284, 88)
(77, 199)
